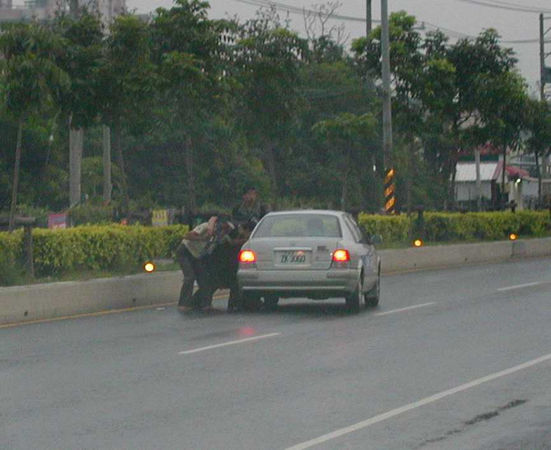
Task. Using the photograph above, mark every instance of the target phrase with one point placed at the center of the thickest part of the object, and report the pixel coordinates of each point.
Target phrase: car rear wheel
(372, 297)
(354, 300)
(271, 301)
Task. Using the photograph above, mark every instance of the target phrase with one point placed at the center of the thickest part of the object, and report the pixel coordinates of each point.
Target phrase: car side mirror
(375, 239)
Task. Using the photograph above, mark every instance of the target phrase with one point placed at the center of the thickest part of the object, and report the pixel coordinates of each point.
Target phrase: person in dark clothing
(250, 209)
(223, 264)
(189, 255)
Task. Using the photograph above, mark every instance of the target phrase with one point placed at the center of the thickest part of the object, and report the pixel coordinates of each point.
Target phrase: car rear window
(299, 225)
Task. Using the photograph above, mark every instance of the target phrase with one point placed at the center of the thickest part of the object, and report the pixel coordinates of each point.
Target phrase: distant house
(519, 186)
(465, 183)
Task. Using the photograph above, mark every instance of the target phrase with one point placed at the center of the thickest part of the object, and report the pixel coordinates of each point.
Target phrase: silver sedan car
(316, 254)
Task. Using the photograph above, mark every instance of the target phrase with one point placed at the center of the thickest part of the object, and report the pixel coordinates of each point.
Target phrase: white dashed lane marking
(407, 308)
(519, 286)
(225, 344)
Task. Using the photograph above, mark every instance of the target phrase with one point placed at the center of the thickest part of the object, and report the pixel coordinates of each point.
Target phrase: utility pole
(478, 182)
(368, 17)
(389, 191)
(545, 72)
(73, 8)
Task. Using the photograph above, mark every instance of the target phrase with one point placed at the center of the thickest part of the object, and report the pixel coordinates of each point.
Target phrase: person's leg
(234, 302)
(203, 296)
(186, 293)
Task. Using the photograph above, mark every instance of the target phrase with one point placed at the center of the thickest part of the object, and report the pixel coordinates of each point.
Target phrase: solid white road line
(433, 398)
(518, 286)
(225, 344)
(408, 308)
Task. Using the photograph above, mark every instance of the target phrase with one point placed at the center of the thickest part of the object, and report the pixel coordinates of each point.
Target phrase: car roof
(307, 211)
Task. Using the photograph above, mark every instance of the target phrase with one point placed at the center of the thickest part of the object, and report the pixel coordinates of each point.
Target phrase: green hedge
(11, 247)
(92, 247)
(390, 228)
(443, 227)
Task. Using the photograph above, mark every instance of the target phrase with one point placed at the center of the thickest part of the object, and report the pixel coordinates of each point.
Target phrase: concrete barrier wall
(46, 301)
(52, 300)
(437, 256)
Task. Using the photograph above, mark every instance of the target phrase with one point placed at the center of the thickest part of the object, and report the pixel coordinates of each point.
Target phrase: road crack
(474, 421)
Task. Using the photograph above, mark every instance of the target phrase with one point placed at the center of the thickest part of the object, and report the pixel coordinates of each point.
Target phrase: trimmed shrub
(443, 227)
(102, 247)
(390, 228)
(113, 247)
(11, 247)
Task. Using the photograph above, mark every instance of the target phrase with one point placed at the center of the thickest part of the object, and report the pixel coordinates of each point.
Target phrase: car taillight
(247, 256)
(341, 256)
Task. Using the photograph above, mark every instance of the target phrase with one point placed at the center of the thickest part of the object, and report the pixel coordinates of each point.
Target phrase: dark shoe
(185, 309)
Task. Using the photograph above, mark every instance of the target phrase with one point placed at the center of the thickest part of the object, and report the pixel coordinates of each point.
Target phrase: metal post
(390, 200)
(387, 112)
(73, 8)
(107, 185)
(28, 249)
(368, 17)
(542, 60)
(478, 182)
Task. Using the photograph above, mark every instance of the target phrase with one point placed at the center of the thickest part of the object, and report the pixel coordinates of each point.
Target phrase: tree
(348, 136)
(81, 60)
(186, 45)
(31, 80)
(444, 95)
(484, 75)
(407, 66)
(127, 86)
(538, 125)
(328, 88)
(266, 63)
(502, 100)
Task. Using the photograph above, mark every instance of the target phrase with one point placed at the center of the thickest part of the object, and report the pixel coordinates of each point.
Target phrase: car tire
(354, 300)
(271, 301)
(372, 297)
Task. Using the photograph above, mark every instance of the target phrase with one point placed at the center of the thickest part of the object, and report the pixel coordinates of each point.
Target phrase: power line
(297, 10)
(507, 5)
(452, 33)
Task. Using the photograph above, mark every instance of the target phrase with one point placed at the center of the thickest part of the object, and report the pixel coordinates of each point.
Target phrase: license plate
(293, 257)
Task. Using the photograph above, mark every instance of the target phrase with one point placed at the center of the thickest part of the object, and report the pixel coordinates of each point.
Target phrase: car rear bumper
(303, 283)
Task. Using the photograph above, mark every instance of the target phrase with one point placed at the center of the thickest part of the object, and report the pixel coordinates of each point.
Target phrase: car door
(366, 252)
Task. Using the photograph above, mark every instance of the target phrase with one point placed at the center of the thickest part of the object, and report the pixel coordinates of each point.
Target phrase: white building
(465, 182)
(43, 10)
(519, 185)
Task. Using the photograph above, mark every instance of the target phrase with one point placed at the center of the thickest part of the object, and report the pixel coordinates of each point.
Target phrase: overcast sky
(455, 17)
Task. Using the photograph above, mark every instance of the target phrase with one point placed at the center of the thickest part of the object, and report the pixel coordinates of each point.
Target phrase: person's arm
(194, 236)
(201, 232)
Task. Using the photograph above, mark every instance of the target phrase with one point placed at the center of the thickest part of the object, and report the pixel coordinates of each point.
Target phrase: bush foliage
(11, 247)
(443, 227)
(111, 247)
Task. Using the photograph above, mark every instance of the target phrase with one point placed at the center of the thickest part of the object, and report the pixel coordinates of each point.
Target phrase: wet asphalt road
(452, 359)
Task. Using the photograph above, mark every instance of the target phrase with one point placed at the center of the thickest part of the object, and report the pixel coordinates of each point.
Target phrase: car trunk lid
(294, 254)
